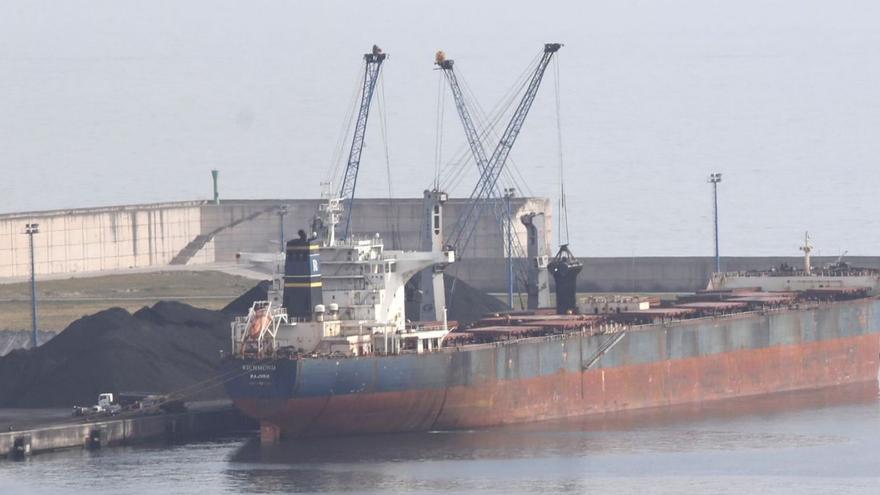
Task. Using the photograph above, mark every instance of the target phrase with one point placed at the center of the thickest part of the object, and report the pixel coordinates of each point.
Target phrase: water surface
(804, 442)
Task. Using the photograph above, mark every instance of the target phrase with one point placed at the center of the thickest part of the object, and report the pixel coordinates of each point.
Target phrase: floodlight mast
(31, 229)
(714, 179)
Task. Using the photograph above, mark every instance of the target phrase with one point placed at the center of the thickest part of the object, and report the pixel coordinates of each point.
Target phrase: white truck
(105, 405)
(111, 404)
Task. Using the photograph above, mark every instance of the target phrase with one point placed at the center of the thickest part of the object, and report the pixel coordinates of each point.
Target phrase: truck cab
(105, 400)
(106, 404)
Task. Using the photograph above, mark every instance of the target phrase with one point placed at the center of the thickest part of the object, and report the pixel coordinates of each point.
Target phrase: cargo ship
(331, 352)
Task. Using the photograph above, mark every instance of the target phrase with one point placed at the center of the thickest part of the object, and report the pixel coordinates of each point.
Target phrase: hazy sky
(107, 102)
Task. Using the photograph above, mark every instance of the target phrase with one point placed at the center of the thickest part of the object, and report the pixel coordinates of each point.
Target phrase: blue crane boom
(470, 130)
(490, 170)
(372, 66)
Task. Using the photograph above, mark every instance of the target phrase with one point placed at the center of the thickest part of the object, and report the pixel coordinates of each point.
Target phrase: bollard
(96, 438)
(21, 447)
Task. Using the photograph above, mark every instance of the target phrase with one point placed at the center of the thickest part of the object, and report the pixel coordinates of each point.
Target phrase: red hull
(566, 394)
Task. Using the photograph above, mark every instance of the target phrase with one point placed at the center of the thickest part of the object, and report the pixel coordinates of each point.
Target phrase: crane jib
(490, 170)
(372, 66)
(470, 130)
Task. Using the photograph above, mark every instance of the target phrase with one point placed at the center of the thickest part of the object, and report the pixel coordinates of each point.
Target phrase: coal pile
(465, 303)
(169, 347)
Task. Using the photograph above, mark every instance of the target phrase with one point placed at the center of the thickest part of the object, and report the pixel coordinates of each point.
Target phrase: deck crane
(372, 67)
(492, 169)
(486, 189)
(473, 137)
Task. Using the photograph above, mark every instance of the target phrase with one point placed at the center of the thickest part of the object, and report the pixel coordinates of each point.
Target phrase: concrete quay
(201, 419)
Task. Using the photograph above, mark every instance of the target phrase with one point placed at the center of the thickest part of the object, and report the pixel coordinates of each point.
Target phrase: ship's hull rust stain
(719, 376)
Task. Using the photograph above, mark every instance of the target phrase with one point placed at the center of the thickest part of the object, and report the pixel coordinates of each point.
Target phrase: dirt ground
(59, 302)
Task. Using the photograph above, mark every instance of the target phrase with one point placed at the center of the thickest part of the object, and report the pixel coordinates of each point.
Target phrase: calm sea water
(122, 101)
(807, 442)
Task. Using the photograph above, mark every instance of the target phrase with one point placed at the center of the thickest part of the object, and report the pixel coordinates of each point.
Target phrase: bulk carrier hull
(564, 375)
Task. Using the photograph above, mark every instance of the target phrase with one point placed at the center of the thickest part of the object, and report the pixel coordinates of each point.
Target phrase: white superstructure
(363, 308)
(787, 278)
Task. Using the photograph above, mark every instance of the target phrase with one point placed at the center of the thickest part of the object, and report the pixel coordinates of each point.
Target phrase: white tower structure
(807, 248)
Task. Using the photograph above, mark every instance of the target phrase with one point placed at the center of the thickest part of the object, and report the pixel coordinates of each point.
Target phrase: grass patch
(59, 302)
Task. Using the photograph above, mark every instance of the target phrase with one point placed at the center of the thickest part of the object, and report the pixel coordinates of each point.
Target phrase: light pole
(509, 192)
(282, 210)
(714, 179)
(31, 229)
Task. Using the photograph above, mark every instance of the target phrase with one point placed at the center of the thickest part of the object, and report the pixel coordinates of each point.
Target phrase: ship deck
(513, 328)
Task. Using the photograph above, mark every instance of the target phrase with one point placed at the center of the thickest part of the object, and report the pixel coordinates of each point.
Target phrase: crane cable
(563, 206)
(344, 134)
(487, 124)
(383, 127)
(455, 169)
(458, 168)
(438, 130)
(504, 105)
(510, 170)
(438, 141)
(393, 220)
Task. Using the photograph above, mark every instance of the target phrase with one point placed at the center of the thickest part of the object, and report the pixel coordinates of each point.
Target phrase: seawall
(117, 238)
(123, 431)
(197, 232)
(643, 274)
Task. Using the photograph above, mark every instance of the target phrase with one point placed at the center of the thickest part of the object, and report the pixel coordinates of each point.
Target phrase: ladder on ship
(603, 349)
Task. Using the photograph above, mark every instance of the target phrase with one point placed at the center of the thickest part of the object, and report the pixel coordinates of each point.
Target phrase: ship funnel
(302, 277)
(565, 269)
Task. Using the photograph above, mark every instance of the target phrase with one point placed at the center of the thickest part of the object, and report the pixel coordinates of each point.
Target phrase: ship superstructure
(341, 298)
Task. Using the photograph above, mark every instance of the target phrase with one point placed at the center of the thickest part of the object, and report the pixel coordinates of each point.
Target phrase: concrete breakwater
(196, 232)
(643, 273)
(96, 240)
(201, 420)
